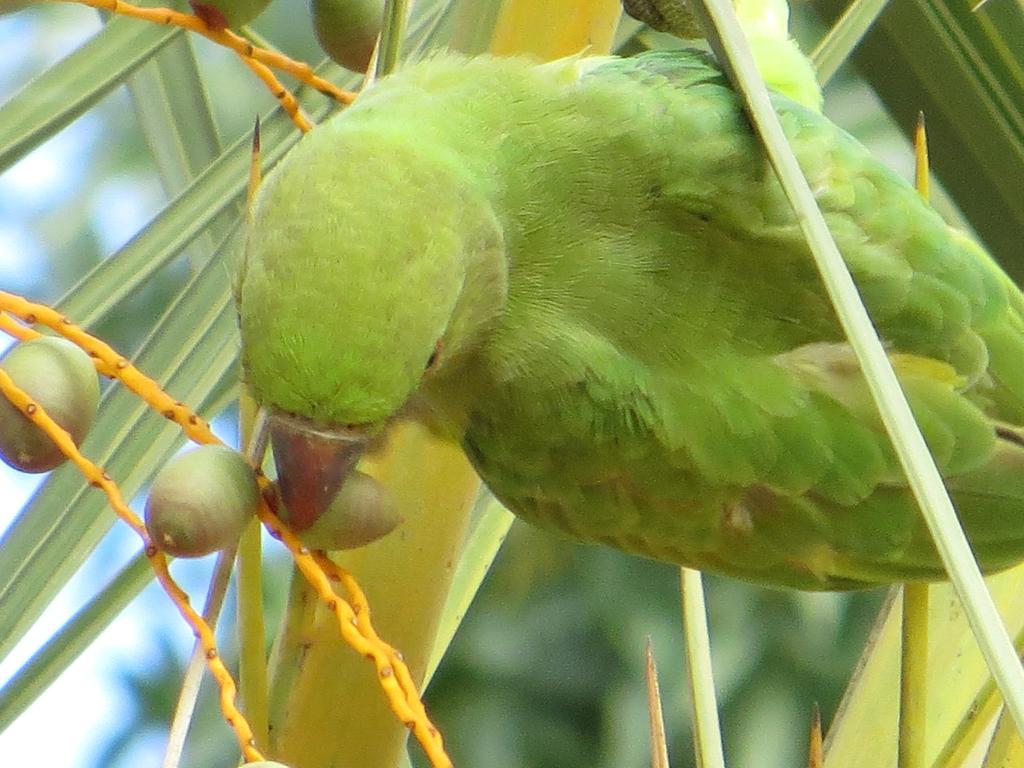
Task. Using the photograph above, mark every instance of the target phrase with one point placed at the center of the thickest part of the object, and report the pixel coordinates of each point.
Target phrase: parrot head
(359, 281)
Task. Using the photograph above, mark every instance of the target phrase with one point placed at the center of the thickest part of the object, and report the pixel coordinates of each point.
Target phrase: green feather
(626, 329)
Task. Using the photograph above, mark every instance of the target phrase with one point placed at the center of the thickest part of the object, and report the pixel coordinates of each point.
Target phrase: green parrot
(586, 272)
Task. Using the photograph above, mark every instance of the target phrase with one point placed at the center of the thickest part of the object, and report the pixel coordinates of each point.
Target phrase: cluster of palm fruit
(202, 499)
(346, 29)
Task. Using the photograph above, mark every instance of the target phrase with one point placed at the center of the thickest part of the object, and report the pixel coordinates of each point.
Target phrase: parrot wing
(775, 469)
(757, 450)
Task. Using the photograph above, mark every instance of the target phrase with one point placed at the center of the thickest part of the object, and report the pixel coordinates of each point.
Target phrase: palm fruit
(219, 14)
(348, 29)
(61, 378)
(201, 501)
(362, 512)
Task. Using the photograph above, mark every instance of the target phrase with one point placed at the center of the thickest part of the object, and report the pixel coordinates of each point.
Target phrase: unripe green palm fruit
(362, 512)
(348, 29)
(219, 14)
(61, 378)
(201, 501)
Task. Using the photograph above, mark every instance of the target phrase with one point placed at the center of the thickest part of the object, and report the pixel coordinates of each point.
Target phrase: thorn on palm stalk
(255, 169)
(921, 157)
(815, 746)
(913, 719)
(659, 747)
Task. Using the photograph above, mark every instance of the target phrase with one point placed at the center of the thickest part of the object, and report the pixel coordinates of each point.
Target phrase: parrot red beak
(312, 463)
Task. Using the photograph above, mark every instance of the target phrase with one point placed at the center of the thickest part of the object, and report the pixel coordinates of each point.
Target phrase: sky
(68, 723)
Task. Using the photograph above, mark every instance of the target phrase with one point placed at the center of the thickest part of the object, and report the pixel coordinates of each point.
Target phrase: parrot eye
(434, 358)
